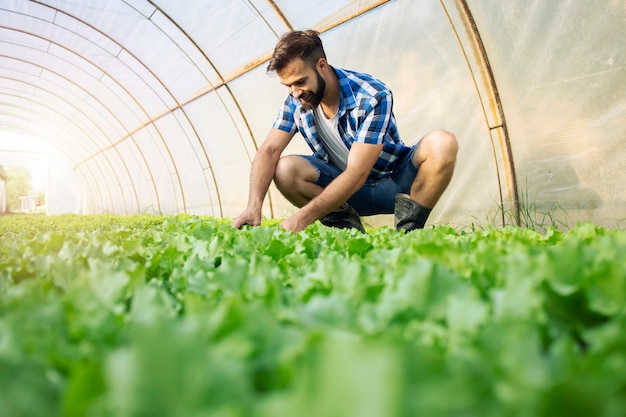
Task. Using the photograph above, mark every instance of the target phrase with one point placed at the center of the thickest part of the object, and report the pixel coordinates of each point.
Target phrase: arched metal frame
(491, 104)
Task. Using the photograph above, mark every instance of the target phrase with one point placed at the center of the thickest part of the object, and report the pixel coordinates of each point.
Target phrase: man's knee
(446, 144)
(440, 146)
(291, 170)
(284, 170)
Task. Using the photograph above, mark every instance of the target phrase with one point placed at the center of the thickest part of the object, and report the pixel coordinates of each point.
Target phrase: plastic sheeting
(160, 106)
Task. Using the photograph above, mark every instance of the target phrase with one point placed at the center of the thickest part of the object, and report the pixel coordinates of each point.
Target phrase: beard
(312, 99)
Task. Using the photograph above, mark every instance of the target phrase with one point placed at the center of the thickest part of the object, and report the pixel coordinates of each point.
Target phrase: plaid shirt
(365, 115)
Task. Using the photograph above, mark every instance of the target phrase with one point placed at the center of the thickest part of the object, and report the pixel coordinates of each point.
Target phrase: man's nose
(295, 91)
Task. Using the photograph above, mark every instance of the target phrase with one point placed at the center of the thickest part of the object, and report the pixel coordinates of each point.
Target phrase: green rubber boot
(409, 215)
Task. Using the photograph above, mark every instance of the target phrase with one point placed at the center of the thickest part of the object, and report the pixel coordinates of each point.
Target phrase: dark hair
(303, 44)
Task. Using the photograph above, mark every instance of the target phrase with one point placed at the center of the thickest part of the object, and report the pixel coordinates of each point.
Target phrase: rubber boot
(409, 215)
(348, 218)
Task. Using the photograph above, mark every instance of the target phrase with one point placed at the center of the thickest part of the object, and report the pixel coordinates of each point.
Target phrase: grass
(530, 216)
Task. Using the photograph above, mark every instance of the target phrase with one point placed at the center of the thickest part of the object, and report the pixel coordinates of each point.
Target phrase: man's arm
(261, 175)
(361, 160)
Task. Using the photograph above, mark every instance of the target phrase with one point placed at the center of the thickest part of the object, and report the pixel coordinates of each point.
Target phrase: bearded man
(359, 166)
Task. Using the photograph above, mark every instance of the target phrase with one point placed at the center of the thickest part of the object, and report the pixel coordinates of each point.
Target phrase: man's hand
(248, 216)
(295, 223)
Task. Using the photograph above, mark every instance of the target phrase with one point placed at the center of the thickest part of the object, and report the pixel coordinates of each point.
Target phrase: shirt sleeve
(376, 116)
(285, 120)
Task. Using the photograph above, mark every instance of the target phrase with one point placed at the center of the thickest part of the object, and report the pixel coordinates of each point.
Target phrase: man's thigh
(378, 197)
(326, 172)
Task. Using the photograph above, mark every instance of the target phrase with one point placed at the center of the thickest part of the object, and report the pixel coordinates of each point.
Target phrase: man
(359, 165)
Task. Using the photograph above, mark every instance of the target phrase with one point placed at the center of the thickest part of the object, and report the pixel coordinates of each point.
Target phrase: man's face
(304, 83)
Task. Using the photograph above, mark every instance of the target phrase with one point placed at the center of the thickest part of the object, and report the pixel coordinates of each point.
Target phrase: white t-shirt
(328, 131)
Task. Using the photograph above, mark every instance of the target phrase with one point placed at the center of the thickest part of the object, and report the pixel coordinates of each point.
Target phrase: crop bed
(186, 316)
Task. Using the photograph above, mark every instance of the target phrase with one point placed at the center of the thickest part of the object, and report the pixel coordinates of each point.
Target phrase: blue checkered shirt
(365, 115)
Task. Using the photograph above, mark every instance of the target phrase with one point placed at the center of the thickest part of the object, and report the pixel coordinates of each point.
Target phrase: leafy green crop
(186, 316)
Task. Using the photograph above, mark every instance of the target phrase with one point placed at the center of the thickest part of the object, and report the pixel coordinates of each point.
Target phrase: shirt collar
(346, 96)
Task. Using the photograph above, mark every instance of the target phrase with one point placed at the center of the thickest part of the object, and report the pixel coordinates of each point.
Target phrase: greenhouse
(125, 290)
(159, 107)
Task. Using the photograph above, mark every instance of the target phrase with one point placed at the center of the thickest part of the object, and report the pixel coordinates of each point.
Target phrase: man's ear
(322, 64)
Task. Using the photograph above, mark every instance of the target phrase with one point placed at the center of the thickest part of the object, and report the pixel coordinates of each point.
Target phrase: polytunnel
(159, 106)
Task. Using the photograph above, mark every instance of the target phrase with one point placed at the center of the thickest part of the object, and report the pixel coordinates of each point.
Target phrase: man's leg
(436, 157)
(295, 178)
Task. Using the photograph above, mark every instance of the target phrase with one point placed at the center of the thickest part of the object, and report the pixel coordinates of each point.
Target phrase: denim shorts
(377, 196)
